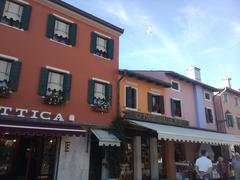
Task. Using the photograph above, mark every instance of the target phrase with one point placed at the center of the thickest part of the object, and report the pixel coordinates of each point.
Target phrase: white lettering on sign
(58, 117)
(5, 109)
(21, 111)
(33, 114)
(45, 115)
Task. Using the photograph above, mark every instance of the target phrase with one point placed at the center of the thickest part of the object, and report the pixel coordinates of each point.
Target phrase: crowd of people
(204, 167)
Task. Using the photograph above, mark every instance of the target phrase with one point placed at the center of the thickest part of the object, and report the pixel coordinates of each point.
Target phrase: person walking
(222, 169)
(236, 166)
(203, 166)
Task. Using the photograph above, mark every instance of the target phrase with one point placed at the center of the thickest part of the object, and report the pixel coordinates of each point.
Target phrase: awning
(105, 138)
(39, 127)
(189, 134)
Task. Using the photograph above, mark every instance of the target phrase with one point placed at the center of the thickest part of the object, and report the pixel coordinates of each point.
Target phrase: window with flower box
(9, 76)
(15, 13)
(54, 86)
(61, 31)
(99, 95)
(102, 46)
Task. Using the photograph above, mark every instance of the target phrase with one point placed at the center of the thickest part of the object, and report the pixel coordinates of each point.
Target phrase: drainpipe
(118, 93)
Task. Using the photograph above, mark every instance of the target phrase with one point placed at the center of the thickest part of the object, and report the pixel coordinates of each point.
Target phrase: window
(176, 108)
(175, 85)
(209, 115)
(238, 121)
(207, 96)
(61, 31)
(15, 14)
(237, 101)
(102, 46)
(55, 82)
(9, 74)
(229, 119)
(131, 97)
(99, 92)
(155, 103)
(225, 97)
(54, 86)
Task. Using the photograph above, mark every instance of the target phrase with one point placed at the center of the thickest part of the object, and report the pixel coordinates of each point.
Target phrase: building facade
(58, 81)
(170, 117)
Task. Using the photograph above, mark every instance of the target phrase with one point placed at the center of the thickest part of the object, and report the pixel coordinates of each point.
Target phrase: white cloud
(235, 28)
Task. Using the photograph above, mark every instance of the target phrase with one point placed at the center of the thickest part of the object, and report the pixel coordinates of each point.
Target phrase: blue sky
(172, 34)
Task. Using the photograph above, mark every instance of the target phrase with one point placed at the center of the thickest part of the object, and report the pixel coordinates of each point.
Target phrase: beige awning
(105, 138)
(174, 133)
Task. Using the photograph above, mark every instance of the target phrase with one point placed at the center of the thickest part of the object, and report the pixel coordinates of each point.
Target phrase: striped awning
(105, 138)
(174, 133)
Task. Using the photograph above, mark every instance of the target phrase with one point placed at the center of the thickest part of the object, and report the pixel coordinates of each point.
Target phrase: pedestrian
(203, 166)
(236, 166)
(222, 168)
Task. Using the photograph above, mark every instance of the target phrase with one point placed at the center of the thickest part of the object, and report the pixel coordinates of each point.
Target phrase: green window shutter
(172, 107)
(67, 82)
(93, 42)
(73, 34)
(14, 75)
(149, 102)
(43, 82)
(91, 88)
(109, 93)
(129, 97)
(2, 5)
(26, 16)
(110, 48)
(50, 26)
(161, 103)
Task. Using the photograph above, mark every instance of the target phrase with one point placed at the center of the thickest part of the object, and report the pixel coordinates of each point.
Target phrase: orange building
(58, 74)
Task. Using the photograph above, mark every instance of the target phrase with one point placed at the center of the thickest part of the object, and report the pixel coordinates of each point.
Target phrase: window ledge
(176, 90)
(131, 109)
(61, 43)
(108, 59)
(11, 26)
(158, 114)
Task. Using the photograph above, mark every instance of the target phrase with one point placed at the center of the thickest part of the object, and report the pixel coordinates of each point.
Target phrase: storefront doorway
(27, 157)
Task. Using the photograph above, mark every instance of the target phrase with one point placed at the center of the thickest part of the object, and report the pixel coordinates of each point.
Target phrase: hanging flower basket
(4, 89)
(54, 97)
(101, 105)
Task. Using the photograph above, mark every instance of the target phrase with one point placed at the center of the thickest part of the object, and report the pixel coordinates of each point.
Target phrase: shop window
(102, 46)
(54, 86)
(225, 97)
(238, 122)
(176, 108)
(9, 76)
(209, 115)
(229, 119)
(99, 95)
(131, 97)
(61, 31)
(155, 103)
(15, 14)
(175, 85)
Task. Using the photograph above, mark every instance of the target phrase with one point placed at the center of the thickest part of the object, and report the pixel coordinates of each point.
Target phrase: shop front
(31, 148)
(160, 151)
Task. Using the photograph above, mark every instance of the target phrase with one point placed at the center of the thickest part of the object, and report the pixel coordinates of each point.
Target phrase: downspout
(118, 94)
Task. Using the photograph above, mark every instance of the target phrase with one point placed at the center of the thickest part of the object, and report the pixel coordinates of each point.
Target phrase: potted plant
(4, 89)
(54, 97)
(101, 105)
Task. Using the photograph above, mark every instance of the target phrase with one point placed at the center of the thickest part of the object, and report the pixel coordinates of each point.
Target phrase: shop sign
(155, 118)
(33, 114)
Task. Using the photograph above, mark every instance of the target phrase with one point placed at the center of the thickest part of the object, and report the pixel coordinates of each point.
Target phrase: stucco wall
(74, 164)
(35, 50)
(235, 110)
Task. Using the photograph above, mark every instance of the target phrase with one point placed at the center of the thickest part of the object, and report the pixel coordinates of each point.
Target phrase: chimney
(194, 73)
(227, 82)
